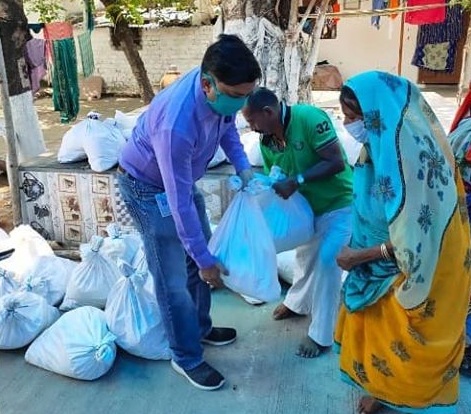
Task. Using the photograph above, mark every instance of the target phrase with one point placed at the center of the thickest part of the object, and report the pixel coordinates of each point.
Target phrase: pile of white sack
(98, 141)
(108, 297)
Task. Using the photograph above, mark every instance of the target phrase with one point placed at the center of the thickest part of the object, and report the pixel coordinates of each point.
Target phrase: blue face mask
(224, 104)
(358, 131)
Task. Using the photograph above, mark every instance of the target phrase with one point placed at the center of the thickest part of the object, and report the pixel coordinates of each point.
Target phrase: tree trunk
(261, 25)
(124, 35)
(24, 136)
(272, 30)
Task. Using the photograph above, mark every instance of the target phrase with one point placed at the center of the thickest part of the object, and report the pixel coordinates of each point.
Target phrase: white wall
(162, 47)
(360, 46)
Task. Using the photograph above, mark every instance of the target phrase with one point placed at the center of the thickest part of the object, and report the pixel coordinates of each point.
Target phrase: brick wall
(182, 46)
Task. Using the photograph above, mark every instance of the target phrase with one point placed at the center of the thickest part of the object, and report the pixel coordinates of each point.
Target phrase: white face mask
(358, 131)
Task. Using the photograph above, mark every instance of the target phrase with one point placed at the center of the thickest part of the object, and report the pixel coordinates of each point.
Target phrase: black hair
(350, 100)
(231, 61)
(260, 98)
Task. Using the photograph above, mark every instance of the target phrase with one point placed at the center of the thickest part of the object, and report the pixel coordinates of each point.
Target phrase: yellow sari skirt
(409, 359)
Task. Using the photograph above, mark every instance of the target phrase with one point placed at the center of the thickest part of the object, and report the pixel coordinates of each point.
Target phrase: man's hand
(349, 258)
(212, 275)
(246, 175)
(286, 188)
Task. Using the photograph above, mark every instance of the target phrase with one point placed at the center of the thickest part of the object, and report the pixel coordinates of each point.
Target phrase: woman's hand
(349, 258)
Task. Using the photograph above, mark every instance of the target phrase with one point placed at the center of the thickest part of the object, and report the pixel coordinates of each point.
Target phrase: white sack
(8, 284)
(23, 316)
(290, 221)
(218, 158)
(126, 123)
(48, 277)
(243, 244)
(71, 149)
(6, 244)
(29, 245)
(118, 246)
(92, 279)
(103, 145)
(79, 345)
(241, 122)
(133, 315)
(251, 143)
(100, 142)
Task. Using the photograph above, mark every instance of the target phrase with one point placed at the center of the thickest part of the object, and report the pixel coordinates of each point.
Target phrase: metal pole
(12, 157)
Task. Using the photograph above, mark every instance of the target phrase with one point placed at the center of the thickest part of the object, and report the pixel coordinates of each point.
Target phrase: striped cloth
(86, 53)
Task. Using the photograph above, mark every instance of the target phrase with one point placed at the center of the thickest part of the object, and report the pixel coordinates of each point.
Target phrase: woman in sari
(400, 332)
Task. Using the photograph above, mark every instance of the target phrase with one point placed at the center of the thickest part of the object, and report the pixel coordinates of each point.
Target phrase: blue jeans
(184, 299)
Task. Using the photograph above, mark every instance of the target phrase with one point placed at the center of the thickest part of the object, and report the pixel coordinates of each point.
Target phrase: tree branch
(293, 21)
(305, 17)
(311, 60)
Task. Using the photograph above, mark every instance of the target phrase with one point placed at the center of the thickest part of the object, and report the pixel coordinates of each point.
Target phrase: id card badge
(162, 203)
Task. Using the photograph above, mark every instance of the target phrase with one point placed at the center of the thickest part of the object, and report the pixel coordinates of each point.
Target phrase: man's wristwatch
(300, 179)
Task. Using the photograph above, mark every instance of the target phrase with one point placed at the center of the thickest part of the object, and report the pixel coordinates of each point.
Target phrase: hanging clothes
(393, 4)
(65, 80)
(378, 5)
(36, 61)
(58, 31)
(435, 15)
(437, 43)
(60, 49)
(86, 53)
(329, 31)
(36, 27)
(89, 17)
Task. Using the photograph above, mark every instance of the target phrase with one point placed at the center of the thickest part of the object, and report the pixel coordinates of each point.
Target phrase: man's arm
(230, 143)
(325, 143)
(174, 155)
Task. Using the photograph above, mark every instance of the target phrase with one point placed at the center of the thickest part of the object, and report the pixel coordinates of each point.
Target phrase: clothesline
(378, 12)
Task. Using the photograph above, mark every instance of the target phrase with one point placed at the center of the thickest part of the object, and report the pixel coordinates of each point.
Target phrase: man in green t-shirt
(302, 141)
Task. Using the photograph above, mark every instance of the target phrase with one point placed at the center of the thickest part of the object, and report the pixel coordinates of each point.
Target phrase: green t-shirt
(308, 130)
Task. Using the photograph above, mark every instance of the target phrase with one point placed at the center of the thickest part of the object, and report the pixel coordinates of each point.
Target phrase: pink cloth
(435, 15)
(58, 31)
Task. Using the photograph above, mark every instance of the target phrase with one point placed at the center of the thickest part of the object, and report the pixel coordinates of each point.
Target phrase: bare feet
(283, 312)
(369, 405)
(310, 349)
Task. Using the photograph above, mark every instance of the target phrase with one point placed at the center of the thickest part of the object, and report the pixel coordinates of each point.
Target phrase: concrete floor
(264, 376)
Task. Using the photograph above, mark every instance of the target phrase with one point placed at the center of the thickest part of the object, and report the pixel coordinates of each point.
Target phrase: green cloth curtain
(86, 53)
(65, 85)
